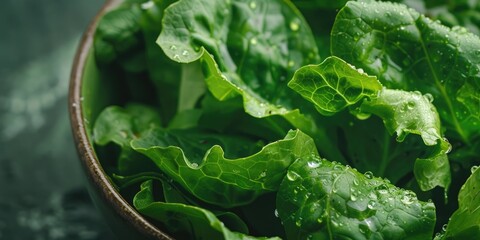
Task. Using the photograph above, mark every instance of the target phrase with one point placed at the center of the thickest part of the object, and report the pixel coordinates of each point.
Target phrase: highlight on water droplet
(176, 57)
(313, 164)
(292, 176)
(368, 174)
(147, 5)
(473, 169)
(185, 53)
(294, 25)
(429, 97)
(253, 41)
(173, 47)
(253, 5)
(291, 63)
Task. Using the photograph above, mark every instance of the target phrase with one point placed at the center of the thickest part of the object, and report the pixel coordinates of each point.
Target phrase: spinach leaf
(246, 48)
(319, 199)
(119, 126)
(186, 221)
(465, 222)
(166, 76)
(198, 163)
(411, 52)
(334, 85)
(118, 38)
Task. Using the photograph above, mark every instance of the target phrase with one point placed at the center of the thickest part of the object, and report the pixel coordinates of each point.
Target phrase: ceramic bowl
(87, 97)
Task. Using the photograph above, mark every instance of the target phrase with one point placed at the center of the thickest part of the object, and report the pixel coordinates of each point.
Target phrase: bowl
(86, 99)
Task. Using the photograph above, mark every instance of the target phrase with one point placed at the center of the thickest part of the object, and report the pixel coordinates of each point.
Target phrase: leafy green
(246, 48)
(198, 222)
(465, 222)
(334, 85)
(319, 199)
(409, 51)
(197, 162)
(204, 122)
(121, 125)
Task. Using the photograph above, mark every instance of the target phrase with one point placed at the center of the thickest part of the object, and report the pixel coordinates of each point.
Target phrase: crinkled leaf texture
(199, 223)
(319, 199)
(246, 48)
(407, 50)
(465, 222)
(334, 85)
(197, 162)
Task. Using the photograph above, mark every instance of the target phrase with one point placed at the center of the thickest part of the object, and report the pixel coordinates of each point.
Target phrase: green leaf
(121, 125)
(186, 221)
(333, 85)
(411, 52)
(410, 112)
(246, 48)
(198, 163)
(167, 76)
(319, 199)
(465, 222)
(118, 38)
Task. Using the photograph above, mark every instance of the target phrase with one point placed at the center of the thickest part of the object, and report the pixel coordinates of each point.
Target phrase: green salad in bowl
(278, 119)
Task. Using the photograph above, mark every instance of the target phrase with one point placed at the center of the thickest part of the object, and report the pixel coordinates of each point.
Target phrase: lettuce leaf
(197, 162)
(247, 49)
(334, 85)
(185, 220)
(319, 199)
(409, 51)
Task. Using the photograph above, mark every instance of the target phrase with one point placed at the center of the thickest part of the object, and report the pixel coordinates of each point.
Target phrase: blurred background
(42, 193)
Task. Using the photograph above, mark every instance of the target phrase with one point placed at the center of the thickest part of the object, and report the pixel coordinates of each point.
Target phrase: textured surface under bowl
(86, 98)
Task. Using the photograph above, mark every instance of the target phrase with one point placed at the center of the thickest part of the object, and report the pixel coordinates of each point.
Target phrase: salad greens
(278, 119)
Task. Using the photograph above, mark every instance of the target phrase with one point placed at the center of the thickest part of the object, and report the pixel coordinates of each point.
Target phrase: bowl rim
(89, 161)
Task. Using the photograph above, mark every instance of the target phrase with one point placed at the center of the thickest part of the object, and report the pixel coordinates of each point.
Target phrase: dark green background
(42, 187)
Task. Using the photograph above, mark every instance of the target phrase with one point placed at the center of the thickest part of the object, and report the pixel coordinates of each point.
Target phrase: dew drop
(291, 63)
(253, 41)
(176, 57)
(355, 182)
(263, 174)
(368, 174)
(292, 176)
(195, 165)
(298, 222)
(294, 25)
(429, 97)
(410, 105)
(185, 53)
(173, 47)
(353, 198)
(371, 205)
(444, 227)
(313, 164)
(473, 169)
(276, 213)
(253, 5)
